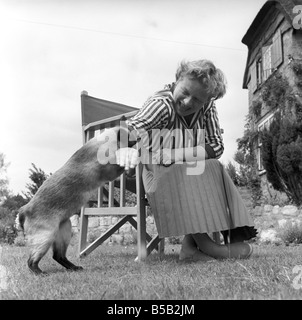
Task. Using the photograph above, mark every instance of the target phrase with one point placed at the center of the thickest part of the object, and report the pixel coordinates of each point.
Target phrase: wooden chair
(97, 115)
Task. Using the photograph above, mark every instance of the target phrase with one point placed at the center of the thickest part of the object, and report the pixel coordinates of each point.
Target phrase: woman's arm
(154, 114)
(168, 156)
(197, 153)
(213, 137)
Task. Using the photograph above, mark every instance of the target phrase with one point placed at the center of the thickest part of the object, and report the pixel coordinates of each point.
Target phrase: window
(277, 50)
(259, 71)
(267, 61)
(271, 58)
(265, 124)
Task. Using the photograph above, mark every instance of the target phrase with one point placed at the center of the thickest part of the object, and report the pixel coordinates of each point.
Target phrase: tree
(231, 170)
(248, 174)
(14, 202)
(37, 176)
(282, 142)
(3, 179)
(282, 156)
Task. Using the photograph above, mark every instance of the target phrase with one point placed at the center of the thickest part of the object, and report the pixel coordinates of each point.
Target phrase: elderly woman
(188, 189)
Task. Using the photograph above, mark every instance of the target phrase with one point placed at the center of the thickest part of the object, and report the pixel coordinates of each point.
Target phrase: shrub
(297, 67)
(291, 233)
(231, 170)
(20, 241)
(282, 141)
(175, 240)
(248, 175)
(282, 156)
(256, 108)
(274, 91)
(14, 202)
(8, 231)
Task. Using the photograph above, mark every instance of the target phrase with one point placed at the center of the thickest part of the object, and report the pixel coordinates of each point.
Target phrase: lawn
(110, 272)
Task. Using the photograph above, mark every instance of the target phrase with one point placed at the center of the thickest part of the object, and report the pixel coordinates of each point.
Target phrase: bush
(14, 202)
(8, 231)
(282, 141)
(248, 176)
(231, 170)
(175, 240)
(282, 156)
(291, 233)
(274, 91)
(19, 241)
(256, 108)
(248, 169)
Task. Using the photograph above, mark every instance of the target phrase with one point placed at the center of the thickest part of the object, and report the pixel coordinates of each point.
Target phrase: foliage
(231, 170)
(7, 220)
(296, 66)
(282, 156)
(256, 108)
(7, 216)
(282, 142)
(14, 202)
(291, 233)
(247, 174)
(3, 179)
(37, 176)
(11, 204)
(274, 91)
(175, 240)
(20, 241)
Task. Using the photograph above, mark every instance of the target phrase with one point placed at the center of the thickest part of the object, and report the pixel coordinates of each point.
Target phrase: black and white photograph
(151, 153)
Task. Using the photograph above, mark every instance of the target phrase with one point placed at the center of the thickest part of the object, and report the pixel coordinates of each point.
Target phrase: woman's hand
(127, 157)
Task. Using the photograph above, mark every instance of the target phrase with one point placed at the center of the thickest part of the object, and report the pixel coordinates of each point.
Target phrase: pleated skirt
(185, 203)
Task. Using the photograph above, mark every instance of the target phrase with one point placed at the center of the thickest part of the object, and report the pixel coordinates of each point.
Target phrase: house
(274, 41)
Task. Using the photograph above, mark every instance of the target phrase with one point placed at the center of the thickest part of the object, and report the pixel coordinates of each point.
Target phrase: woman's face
(189, 96)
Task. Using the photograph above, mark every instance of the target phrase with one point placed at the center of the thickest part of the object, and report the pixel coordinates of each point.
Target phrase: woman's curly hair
(206, 73)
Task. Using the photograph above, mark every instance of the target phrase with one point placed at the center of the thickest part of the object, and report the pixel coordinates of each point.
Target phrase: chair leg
(141, 216)
(161, 250)
(141, 237)
(83, 231)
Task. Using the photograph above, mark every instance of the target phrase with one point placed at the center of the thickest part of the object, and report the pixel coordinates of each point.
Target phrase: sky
(117, 50)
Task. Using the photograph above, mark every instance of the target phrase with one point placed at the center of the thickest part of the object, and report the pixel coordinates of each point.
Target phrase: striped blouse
(158, 113)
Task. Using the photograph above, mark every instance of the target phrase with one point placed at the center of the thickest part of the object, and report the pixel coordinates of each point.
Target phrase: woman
(188, 189)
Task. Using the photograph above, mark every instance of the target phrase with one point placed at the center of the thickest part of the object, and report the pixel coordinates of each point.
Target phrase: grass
(110, 272)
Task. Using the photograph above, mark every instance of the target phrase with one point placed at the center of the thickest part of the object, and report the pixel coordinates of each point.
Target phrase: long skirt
(206, 202)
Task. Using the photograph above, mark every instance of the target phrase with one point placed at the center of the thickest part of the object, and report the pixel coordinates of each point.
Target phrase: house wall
(272, 23)
(291, 46)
